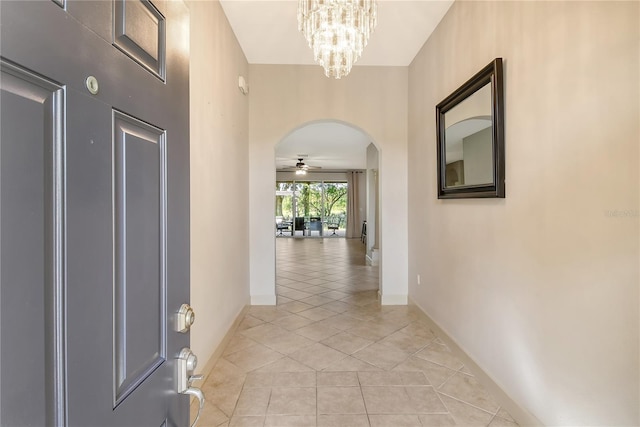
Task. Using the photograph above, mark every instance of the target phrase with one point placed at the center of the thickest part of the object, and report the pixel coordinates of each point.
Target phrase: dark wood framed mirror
(470, 126)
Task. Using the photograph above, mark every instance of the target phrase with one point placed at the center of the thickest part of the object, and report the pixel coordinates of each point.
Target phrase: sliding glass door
(311, 208)
(335, 207)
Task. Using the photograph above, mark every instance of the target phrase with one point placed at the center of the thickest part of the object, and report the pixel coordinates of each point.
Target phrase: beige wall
(219, 181)
(540, 288)
(373, 99)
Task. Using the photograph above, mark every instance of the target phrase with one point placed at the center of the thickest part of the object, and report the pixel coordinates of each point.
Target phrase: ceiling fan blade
(300, 165)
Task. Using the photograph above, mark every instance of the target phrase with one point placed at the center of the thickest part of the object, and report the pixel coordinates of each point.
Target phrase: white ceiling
(267, 31)
(331, 145)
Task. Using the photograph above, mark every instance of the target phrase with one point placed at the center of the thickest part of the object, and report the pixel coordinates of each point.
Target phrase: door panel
(30, 291)
(97, 395)
(120, 229)
(140, 33)
(140, 286)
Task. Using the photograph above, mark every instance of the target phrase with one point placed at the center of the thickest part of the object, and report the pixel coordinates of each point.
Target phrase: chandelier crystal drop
(337, 31)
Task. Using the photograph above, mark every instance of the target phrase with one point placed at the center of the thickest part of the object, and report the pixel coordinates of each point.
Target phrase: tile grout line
(467, 403)
(361, 312)
(364, 401)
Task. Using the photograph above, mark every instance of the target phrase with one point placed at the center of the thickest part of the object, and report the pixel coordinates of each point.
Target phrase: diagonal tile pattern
(330, 355)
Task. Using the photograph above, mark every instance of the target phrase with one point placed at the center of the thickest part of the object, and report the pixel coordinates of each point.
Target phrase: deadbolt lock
(187, 363)
(185, 318)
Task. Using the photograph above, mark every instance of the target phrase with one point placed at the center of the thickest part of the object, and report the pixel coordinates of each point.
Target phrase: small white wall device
(242, 85)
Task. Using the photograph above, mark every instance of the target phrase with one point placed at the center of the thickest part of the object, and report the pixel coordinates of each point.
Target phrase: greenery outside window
(319, 202)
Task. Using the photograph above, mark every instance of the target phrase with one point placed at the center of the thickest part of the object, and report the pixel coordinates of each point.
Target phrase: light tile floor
(330, 355)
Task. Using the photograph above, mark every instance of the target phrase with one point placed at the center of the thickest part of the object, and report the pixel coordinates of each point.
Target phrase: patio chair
(282, 226)
(334, 225)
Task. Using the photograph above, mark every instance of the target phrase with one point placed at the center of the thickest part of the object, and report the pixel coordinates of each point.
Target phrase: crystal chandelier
(337, 31)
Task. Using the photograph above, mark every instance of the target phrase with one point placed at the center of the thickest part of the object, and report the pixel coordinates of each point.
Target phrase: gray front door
(94, 211)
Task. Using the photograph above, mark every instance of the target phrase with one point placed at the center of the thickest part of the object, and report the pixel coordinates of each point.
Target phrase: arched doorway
(314, 163)
(276, 111)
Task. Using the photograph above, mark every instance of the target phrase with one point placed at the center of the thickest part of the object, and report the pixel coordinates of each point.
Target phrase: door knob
(185, 318)
(186, 364)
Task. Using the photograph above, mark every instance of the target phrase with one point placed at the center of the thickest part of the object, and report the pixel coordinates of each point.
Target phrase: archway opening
(327, 187)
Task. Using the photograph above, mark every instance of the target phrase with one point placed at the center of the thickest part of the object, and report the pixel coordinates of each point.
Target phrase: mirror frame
(492, 74)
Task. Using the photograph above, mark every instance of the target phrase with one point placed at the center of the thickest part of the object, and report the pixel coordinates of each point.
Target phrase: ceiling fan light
(301, 172)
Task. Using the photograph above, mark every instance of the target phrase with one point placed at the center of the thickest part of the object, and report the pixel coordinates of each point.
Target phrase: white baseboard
(373, 259)
(263, 299)
(393, 299)
(208, 367)
(223, 344)
(521, 415)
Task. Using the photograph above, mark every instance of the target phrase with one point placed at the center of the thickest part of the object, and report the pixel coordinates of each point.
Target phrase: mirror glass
(469, 141)
(470, 137)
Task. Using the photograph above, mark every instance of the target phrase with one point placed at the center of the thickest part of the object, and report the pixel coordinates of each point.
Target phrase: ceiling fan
(301, 167)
